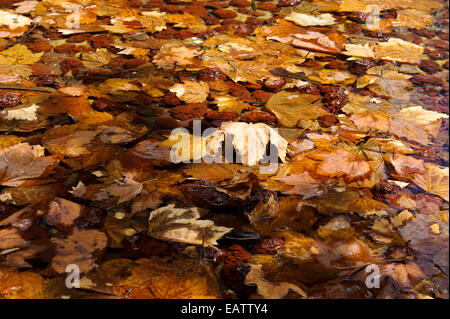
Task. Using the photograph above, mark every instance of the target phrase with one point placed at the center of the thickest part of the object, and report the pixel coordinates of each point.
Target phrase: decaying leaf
(22, 162)
(267, 289)
(183, 225)
(304, 20)
(224, 149)
(338, 162)
(78, 248)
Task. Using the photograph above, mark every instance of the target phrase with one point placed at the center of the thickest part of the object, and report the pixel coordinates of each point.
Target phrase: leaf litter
(90, 175)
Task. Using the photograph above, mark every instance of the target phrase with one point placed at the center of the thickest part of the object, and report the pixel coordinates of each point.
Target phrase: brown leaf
(22, 162)
(78, 248)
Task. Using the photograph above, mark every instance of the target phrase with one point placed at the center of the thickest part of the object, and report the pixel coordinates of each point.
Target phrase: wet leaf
(183, 225)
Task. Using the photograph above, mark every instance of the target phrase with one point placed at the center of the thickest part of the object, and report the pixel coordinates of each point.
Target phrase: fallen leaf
(22, 162)
(78, 248)
(267, 289)
(183, 225)
(19, 54)
(191, 91)
(250, 141)
(290, 108)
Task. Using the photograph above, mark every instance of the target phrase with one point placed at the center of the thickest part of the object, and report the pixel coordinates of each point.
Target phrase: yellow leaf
(290, 108)
(191, 91)
(434, 180)
(19, 54)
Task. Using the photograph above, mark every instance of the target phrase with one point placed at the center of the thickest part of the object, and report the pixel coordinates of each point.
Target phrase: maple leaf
(115, 86)
(290, 108)
(405, 165)
(394, 49)
(367, 206)
(191, 91)
(117, 26)
(289, 33)
(265, 209)
(303, 184)
(359, 50)
(332, 77)
(19, 54)
(22, 162)
(97, 59)
(172, 54)
(430, 121)
(435, 180)
(13, 24)
(337, 162)
(228, 103)
(361, 186)
(383, 81)
(186, 20)
(370, 119)
(399, 50)
(153, 21)
(185, 146)
(146, 199)
(183, 225)
(250, 141)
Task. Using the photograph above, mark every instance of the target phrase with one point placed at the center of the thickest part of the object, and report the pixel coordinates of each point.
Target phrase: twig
(24, 88)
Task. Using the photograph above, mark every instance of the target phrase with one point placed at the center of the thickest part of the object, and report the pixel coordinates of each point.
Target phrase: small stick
(24, 88)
